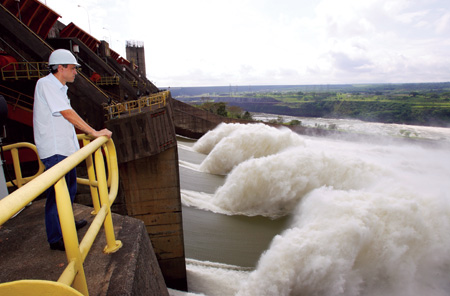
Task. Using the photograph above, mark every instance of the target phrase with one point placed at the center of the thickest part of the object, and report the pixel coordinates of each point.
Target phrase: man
(54, 123)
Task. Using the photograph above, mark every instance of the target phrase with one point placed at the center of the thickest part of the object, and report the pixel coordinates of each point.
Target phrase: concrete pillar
(148, 163)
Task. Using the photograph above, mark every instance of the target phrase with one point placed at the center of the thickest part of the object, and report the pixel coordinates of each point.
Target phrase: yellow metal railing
(76, 253)
(109, 80)
(24, 70)
(20, 180)
(133, 83)
(157, 100)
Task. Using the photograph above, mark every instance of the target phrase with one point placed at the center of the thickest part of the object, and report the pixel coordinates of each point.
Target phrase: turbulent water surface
(270, 212)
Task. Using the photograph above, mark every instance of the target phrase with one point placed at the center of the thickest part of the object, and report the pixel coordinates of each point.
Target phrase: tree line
(408, 106)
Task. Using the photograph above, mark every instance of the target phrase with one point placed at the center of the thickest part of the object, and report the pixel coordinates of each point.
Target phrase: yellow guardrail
(76, 253)
(20, 180)
(24, 70)
(117, 110)
(109, 80)
(133, 83)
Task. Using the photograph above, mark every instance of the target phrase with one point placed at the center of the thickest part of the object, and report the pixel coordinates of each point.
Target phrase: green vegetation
(223, 109)
(294, 122)
(420, 104)
(428, 108)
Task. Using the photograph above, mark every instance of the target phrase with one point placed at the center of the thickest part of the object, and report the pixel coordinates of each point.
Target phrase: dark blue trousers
(52, 224)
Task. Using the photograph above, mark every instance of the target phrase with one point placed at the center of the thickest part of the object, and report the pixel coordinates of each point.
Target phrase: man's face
(68, 73)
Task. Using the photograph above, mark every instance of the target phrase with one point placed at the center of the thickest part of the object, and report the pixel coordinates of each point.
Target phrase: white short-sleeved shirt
(53, 134)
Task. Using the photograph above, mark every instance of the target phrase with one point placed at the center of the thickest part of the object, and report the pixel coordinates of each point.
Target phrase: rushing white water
(244, 142)
(361, 127)
(367, 219)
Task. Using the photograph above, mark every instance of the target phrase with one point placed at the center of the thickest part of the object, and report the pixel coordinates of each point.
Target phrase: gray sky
(252, 42)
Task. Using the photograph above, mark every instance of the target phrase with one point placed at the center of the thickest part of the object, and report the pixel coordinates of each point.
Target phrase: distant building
(136, 55)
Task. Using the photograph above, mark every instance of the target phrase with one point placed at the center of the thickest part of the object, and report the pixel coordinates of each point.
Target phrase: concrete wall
(137, 272)
(149, 174)
(194, 122)
(152, 194)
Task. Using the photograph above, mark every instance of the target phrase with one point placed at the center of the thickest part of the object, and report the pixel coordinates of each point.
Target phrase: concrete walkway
(132, 270)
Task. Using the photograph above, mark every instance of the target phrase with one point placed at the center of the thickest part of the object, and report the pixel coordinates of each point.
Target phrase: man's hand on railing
(73, 117)
(103, 132)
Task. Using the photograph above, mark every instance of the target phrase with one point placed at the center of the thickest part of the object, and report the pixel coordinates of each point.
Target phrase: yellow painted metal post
(69, 233)
(92, 180)
(112, 244)
(20, 180)
(17, 170)
(108, 163)
(119, 110)
(113, 170)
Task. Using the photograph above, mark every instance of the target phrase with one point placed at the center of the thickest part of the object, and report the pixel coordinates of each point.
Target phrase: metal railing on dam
(145, 103)
(14, 149)
(104, 185)
(24, 70)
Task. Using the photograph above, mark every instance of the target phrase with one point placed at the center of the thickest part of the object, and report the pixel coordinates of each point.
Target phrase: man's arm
(82, 125)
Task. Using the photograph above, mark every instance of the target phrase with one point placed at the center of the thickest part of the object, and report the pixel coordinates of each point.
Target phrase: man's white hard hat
(62, 57)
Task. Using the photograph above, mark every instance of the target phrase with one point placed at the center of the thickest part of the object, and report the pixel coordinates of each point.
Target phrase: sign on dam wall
(148, 167)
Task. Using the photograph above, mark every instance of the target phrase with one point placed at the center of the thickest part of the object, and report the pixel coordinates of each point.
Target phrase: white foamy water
(244, 142)
(361, 127)
(203, 276)
(366, 219)
(359, 243)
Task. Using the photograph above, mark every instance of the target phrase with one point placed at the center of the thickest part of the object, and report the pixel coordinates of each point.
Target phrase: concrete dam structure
(148, 162)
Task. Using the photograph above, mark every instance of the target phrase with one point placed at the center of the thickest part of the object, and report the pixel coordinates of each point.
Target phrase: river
(270, 212)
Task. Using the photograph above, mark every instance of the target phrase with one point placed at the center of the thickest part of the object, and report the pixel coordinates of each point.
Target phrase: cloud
(443, 23)
(242, 42)
(346, 63)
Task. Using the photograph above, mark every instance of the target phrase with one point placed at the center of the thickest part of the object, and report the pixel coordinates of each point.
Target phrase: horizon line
(327, 84)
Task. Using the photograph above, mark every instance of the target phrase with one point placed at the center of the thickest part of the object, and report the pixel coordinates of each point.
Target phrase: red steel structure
(36, 15)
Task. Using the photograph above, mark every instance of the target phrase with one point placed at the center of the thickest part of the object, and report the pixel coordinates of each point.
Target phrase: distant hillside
(349, 88)
(414, 103)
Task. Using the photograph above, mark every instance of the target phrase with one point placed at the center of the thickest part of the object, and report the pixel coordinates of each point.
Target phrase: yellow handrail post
(69, 233)
(20, 180)
(108, 164)
(114, 174)
(16, 164)
(92, 180)
(112, 244)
